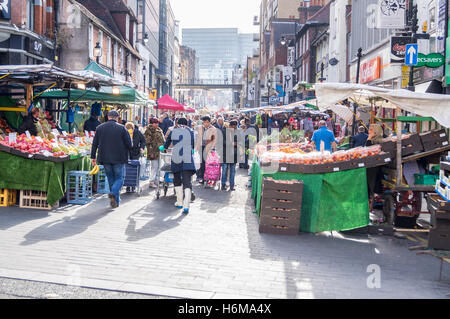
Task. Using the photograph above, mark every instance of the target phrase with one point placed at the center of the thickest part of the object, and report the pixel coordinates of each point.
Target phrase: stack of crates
(34, 200)
(281, 205)
(439, 206)
(8, 197)
(102, 181)
(79, 187)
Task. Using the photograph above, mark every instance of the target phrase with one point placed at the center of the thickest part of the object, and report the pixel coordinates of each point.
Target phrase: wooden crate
(279, 230)
(8, 197)
(35, 200)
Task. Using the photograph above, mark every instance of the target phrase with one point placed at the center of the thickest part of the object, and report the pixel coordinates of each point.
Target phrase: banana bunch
(95, 170)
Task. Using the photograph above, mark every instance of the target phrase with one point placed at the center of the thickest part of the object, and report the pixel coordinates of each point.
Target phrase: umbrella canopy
(167, 103)
(188, 109)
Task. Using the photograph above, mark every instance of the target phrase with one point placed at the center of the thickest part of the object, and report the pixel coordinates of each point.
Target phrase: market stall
(37, 165)
(416, 152)
(335, 195)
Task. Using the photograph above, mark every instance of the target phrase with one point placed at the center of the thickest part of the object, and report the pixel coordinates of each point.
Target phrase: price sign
(47, 153)
(28, 134)
(39, 139)
(55, 132)
(12, 138)
(64, 133)
(86, 133)
(77, 141)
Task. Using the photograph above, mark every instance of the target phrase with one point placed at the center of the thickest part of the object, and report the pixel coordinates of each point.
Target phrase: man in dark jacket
(29, 123)
(113, 143)
(166, 123)
(92, 123)
(360, 139)
(230, 154)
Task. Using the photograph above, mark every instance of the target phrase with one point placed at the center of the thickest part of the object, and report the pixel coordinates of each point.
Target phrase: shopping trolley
(132, 177)
(166, 175)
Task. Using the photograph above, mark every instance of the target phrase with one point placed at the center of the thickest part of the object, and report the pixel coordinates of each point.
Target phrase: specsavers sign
(432, 60)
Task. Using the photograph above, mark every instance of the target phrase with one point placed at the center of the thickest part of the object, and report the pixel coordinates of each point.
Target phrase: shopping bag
(212, 167)
(197, 161)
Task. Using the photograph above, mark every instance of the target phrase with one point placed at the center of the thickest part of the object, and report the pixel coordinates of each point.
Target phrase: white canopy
(423, 104)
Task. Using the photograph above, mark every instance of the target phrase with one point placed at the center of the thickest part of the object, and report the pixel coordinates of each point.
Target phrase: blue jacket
(359, 139)
(182, 159)
(166, 123)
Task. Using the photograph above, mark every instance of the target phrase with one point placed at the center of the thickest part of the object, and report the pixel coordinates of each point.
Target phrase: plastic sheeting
(334, 201)
(432, 105)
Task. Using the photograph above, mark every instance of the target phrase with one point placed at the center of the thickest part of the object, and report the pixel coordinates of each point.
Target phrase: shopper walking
(182, 165)
(206, 143)
(92, 123)
(230, 154)
(154, 139)
(113, 143)
(138, 139)
(166, 123)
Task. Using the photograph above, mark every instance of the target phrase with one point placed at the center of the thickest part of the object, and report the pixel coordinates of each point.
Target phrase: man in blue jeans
(230, 154)
(113, 143)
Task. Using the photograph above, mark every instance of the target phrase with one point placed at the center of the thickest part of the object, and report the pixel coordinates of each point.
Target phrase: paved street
(148, 247)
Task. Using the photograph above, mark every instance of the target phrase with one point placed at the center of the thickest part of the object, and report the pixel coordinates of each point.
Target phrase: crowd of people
(224, 140)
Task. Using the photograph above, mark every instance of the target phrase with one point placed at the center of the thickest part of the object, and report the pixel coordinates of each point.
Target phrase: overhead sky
(217, 14)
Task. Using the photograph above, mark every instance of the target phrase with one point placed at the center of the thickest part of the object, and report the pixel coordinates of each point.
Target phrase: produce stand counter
(30, 174)
(332, 201)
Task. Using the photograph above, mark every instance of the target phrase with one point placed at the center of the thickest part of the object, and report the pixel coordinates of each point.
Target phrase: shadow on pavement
(159, 216)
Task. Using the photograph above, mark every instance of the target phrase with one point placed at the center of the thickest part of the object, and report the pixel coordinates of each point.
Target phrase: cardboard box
(280, 203)
(439, 239)
(286, 195)
(435, 144)
(437, 201)
(433, 136)
(294, 186)
(412, 145)
(279, 230)
(290, 221)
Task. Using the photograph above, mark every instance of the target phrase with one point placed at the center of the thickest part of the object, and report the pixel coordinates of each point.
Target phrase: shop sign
(405, 76)
(35, 47)
(398, 48)
(370, 70)
(5, 9)
(391, 14)
(423, 74)
(153, 94)
(432, 60)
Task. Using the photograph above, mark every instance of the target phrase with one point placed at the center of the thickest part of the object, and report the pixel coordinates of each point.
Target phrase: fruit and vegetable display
(296, 154)
(4, 127)
(61, 148)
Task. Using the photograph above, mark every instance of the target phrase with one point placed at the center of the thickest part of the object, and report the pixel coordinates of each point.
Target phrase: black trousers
(183, 178)
(201, 171)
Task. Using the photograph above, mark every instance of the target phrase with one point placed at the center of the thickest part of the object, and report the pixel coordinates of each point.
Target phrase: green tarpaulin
(334, 201)
(28, 174)
(127, 95)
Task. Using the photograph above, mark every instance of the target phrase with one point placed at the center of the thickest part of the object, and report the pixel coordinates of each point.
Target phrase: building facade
(219, 50)
(27, 32)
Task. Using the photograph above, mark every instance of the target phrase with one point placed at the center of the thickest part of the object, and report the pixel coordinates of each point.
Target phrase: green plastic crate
(425, 179)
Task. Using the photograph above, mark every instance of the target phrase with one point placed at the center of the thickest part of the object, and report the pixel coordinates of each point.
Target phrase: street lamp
(144, 69)
(321, 79)
(283, 40)
(146, 38)
(98, 52)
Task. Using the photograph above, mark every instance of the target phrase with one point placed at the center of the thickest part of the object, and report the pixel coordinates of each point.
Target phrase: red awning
(188, 109)
(167, 103)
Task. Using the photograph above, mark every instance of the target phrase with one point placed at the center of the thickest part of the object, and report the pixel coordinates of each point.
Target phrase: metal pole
(246, 100)
(414, 29)
(359, 55)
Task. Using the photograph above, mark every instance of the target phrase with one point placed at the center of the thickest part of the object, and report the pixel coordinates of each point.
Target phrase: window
(30, 14)
(127, 27)
(91, 41)
(122, 60)
(116, 57)
(100, 41)
(108, 52)
(432, 18)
